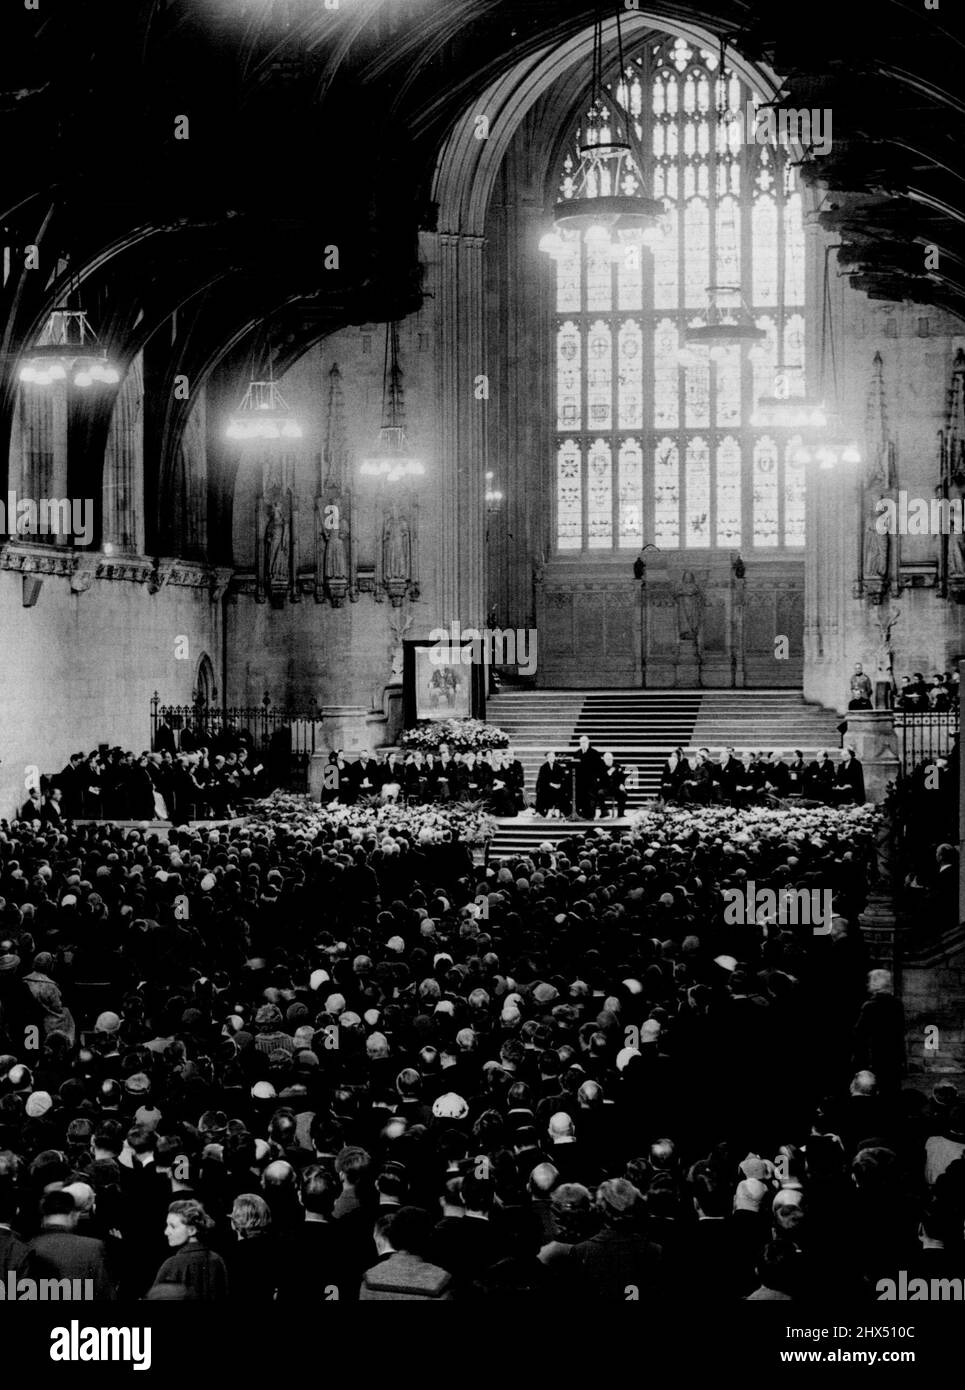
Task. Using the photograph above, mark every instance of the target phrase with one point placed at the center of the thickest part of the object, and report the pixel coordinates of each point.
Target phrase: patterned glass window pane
(666, 491)
(696, 246)
(765, 493)
(568, 374)
(793, 250)
(794, 350)
(794, 492)
(630, 361)
(599, 512)
(728, 243)
(764, 222)
(765, 358)
(630, 271)
(666, 374)
(728, 389)
(631, 494)
(569, 496)
(568, 275)
(599, 376)
(728, 492)
(697, 395)
(665, 266)
(698, 493)
(599, 276)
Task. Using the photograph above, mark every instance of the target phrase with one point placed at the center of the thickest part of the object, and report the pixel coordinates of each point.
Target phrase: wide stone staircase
(641, 728)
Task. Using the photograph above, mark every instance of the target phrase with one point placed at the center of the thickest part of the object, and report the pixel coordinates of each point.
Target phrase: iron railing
(282, 739)
(924, 735)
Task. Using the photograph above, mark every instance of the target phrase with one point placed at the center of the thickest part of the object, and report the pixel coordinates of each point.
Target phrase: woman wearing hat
(192, 1264)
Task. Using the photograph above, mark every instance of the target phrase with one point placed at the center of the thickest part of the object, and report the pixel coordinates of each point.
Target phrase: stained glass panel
(727, 388)
(727, 492)
(599, 511)
(630, 272)
(764, 224)
(599, 376)
(665, 266)
(666, 494)
(794, 494)
(568, 273)
(630, 360)
(696, 250)
(599, 276)
(698, 494)
(697, 395)
(569, 496)
(666, 374)
(631, 493)
(568, 374)
(765, 493)
(794, 262)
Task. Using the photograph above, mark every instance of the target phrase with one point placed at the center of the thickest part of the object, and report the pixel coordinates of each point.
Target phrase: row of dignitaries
(762, 777)
(495, 776)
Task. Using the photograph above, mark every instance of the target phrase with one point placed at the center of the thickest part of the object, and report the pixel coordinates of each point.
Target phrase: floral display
(462, 736)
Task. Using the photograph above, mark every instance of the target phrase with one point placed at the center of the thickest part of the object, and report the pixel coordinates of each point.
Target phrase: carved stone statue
(276, 546)
(690, 601)
(396, 546)
(885, 655)
(336, 563)
(956, 555)
(875, 554)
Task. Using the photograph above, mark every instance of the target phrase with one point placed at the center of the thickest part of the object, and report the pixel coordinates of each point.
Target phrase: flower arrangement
(468, 821)
(462, 736)
(744, 824)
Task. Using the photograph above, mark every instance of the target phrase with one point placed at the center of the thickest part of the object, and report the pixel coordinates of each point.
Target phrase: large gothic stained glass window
(647, 449)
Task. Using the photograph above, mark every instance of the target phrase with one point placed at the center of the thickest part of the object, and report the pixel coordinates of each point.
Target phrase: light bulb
(28, 374)
(802, 455)
(827, 458)
(851, 454)
(83, 379)
(57, 371)
(110, 375)
(291, 430)
(552, 243)
(597, 233)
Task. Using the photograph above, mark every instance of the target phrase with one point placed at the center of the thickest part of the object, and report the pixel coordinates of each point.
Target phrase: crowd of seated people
(761, 778)
(566, 1075)
(114, 784)
(494, 776)
(915, 695)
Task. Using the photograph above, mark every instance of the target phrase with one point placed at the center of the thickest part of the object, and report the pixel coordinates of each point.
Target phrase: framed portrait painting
(441, 681)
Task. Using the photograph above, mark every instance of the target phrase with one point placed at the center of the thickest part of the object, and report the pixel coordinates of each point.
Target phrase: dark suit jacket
(59, 1254)
(14, 1254)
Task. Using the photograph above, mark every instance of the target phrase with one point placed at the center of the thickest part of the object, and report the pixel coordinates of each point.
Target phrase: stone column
(464, 386)
(961, 801)
(872, 734)
(124, 466)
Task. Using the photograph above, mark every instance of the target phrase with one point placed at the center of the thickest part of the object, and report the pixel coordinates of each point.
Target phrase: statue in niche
(690, 601)
(336, 563)
(875, 561)
(396, 546)
(276, 546)
(956, 554)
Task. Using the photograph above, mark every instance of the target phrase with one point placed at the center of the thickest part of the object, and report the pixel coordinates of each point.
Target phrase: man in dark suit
(588, 762)
(796, 773)
(58, 1252)
(611, 789)
(729, 774)
(820, 779)
(70, 782)
(552, 783)
(517, 778)
(477, 777)
(366, 777)
(848, 780)
(775, 775)
(673, 775)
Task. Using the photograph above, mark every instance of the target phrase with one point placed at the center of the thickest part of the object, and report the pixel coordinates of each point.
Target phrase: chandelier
(606, 197)
(263, 415)
(393, 463)
(726, 325)
(67, 350)
(788, 407)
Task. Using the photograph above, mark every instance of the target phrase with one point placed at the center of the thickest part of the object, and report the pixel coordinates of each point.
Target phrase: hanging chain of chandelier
(392, 462)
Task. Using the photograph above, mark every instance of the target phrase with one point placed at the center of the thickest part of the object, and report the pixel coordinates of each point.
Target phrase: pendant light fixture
(392, 462)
